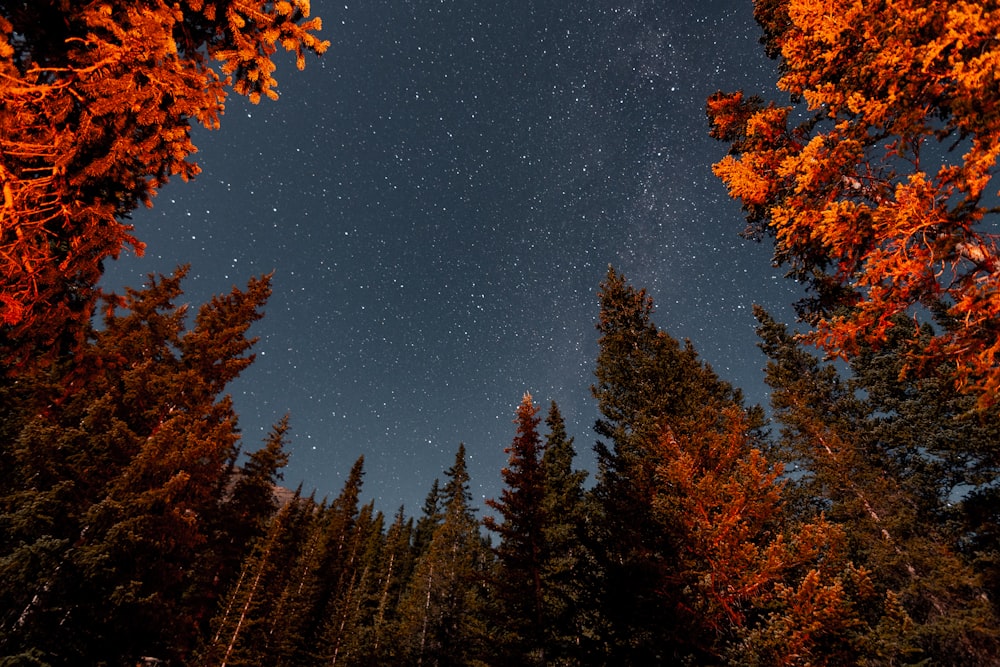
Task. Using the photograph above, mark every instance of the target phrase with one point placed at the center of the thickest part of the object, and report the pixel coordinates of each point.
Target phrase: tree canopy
(97, 101)
(877, 181)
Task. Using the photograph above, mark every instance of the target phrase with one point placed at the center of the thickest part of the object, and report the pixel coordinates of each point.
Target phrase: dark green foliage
(646, 381)
(442, 613)
(567, 567)
(122, 459)
(885, 457)
(540, 574)
(128, 529)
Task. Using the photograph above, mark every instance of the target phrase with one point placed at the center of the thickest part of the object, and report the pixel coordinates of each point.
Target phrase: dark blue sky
(439, 197)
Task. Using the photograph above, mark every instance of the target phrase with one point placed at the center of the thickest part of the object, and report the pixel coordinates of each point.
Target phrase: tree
(880, 199)
(252, 499)
(430, 518)
(442, 611)
(239, 631)
(645, 381)
(875, 464)
(567, 566)
(98, 102)
(520, 554)
(719, 501)
(247, 508)
(122, 460)
(396, 566)
(322, 575)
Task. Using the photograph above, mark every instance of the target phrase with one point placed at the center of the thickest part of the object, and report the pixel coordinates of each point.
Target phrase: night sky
(439, 197)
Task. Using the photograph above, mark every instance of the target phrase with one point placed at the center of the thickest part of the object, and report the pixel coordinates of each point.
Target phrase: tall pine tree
(442, 612)
(646, 380)
(521, 552)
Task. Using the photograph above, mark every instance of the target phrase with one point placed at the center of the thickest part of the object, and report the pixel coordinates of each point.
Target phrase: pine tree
(321, 575)
(881, 199)
(645, 381)
(126, 462)
(246, 510)
(566, 564)
(443, 609)
(347, 631)
(875, 486)
(238, 635)
(396, 568)
(430, 518)
(99, 100)
(520, 554)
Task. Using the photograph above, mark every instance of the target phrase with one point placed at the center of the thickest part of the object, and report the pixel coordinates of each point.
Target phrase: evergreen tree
(347, 631)
(239, 631)
(124, 467)
(99, 100)
(568, 571)
(645, 381)
(880, 488)
(566, 564)
(396, 570)
(881, 199)
(519, 589)
(430, 518)
(442, 611)
(321, 575)
(248, 506)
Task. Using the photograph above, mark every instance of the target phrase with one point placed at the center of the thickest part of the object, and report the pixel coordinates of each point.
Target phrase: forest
(853, 521)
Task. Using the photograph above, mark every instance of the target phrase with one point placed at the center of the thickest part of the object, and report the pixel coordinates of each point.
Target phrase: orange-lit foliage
(882, 198)
(96, 105)
(722, 498)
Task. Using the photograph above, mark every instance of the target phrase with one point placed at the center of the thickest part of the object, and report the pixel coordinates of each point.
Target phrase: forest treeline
(854, 523)
(859, 526)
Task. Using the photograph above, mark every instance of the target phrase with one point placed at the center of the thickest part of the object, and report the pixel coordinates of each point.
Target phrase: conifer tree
(645, 380)
(321, 575)
(567, 569)
(126, 463)
(396, 568)
(430, 518)
(882, 198)
(99, 100)
(875, 486)
(521, 552)
(239, 630)
(442, 612)
(346, 633)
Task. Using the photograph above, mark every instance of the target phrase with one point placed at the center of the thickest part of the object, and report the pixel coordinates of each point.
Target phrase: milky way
(439, 197)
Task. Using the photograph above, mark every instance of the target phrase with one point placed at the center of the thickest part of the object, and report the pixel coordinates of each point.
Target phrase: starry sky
(439, 197)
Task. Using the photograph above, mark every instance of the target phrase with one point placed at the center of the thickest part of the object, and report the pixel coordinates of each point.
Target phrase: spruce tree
(442, 612)
(322, 573)
(567, 566)
(127, 464)
(646, 380)
(99, 100)
(239, 632)
(521, 551)
(881, 486)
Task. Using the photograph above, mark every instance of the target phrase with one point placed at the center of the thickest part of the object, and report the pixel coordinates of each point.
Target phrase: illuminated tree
(520, 553)
(882, 458)
(645, 380)
(122, 461)
(879, 194)
(96, 105)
